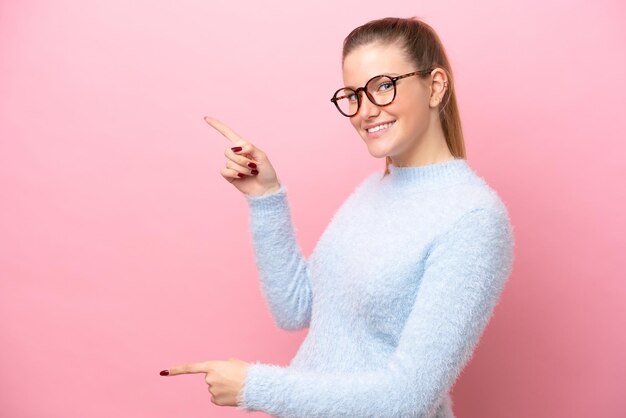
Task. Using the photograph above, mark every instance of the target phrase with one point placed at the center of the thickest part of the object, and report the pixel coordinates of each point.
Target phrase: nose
(367, 109)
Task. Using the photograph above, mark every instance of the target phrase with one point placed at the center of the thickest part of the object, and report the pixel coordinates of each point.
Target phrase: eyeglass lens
(380, 91)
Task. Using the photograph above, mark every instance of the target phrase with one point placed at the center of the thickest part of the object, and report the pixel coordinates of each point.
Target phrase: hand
(238, 172)
(225, 378)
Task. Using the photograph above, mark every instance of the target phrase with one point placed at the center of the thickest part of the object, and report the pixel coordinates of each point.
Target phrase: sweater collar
(441, 173)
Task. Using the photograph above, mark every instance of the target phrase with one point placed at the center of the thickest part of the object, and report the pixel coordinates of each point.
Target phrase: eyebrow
(388, 73)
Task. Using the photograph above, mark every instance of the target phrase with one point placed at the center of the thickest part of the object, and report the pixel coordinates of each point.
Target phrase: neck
(430, 148)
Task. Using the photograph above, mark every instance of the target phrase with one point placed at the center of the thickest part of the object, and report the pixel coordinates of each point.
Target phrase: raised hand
(247, 167)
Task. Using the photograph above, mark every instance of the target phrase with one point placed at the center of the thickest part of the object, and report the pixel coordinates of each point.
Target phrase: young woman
(404, 280)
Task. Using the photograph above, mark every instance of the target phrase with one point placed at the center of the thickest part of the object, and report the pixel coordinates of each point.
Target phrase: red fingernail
(235, 149)
(164, 372)
(252, 165)
(241, 174)
(255, 172)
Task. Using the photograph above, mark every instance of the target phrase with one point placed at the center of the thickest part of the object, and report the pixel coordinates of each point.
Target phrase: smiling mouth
(381, 127)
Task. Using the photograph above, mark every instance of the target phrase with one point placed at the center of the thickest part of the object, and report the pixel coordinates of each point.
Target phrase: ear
(438, 86)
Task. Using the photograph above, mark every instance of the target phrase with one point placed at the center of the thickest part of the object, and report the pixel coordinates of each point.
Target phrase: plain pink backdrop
(124, 251)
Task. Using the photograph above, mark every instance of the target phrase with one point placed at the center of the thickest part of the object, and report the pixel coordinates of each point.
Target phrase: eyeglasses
(380, 90)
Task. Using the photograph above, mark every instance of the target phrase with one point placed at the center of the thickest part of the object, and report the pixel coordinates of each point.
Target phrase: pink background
(124, 251)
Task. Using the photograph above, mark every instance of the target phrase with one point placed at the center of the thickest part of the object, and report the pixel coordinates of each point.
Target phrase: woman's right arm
(282, 267)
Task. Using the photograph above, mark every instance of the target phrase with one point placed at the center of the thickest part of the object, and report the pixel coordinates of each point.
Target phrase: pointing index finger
(202, 367)
(223, 129)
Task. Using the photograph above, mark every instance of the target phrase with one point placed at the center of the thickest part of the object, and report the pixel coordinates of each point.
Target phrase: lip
(371, 125)
(379, 133)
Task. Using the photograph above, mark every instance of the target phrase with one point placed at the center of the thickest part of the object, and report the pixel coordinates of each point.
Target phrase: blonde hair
(422, 45)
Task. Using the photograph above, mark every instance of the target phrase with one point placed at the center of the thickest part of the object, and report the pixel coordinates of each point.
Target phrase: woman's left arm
(464, 276)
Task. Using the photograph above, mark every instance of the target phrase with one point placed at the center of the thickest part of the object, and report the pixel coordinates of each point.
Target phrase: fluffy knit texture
(396, 294)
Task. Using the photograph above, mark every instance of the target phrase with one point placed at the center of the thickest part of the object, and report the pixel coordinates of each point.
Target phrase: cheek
(355, 123)
(413, 112)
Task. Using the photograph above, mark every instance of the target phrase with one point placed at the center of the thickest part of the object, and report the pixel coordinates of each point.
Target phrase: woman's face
(410, 112)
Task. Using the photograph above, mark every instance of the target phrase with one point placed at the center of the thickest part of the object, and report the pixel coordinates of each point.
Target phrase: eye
(385, 86)
(352, 97)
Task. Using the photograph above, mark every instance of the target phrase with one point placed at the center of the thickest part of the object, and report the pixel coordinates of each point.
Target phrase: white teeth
(379, 127)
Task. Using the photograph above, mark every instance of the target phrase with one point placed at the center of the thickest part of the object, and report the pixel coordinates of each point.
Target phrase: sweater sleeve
(465, 272)
(283, 269)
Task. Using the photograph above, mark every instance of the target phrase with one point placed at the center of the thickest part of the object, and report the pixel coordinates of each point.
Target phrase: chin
(377, 152)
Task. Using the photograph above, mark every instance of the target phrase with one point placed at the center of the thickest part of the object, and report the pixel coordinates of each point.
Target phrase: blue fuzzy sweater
(396, 294)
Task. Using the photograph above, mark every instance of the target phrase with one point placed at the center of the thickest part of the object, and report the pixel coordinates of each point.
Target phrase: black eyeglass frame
(334, 99)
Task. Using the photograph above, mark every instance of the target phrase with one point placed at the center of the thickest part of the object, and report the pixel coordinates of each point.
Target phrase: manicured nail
(252, 165)
(241, 174)
(255, 172)
(164, 372)
(235, 149)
